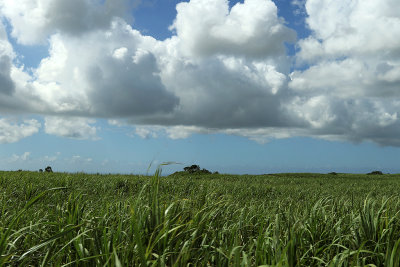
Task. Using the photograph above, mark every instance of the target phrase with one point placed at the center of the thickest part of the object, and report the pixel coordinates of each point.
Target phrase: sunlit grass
(61, 219)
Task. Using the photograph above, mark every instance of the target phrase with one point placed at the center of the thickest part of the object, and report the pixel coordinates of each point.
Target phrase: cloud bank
(74, 128)
(351, 88)
(11, 131)
(33, 21)
(224, 70)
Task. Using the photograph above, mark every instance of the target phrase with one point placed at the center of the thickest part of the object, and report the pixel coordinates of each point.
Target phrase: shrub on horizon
(375, 173)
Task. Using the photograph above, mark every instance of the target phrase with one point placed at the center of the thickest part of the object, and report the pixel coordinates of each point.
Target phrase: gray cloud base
(123, 88)
(33, 21)
(7, 85)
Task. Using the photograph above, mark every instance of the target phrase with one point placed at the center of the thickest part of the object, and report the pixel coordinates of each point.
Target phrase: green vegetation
(61, 219)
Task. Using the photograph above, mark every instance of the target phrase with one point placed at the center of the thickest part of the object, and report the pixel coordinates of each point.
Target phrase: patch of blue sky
(154, 17)
(117, 152)
(29, 56)
(234, 154)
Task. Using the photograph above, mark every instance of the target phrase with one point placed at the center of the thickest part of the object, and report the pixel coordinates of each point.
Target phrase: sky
(244, 87)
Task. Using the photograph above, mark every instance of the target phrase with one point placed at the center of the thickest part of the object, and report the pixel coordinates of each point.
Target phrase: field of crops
(61, 219)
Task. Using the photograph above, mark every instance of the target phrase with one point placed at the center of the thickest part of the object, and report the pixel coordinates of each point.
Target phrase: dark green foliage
(375, 173)
(192, 169)
(204, 220)
(195, 169)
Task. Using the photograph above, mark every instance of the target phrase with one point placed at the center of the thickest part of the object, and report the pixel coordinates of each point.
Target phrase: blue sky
(254, 86)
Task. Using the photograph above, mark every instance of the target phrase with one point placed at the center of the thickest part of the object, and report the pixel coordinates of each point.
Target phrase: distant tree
(40, 170)
(48, 169)
(375, 173)
(192, 169)
(196, 169)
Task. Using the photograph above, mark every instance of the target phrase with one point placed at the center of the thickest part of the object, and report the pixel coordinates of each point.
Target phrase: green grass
(61, 219)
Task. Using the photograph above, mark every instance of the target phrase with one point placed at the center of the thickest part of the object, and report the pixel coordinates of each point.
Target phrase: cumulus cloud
(75, 128)
(172, 132)
(226, 66)
(147, 132)
(351, 88)
(12, 131)
(33, 21)
(252, 28)
(106, 74)
(225, 92)
(260, 135)
(120, 73)
(16, 92)
(225, 70)
(351, 28)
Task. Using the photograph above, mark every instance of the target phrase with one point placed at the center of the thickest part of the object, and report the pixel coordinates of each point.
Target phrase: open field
(56, 219)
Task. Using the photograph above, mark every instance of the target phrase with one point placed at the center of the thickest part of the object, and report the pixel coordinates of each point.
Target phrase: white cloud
(351, 88)
(225, 71)
(33, 21)
(19, 158)
(101, 76)
(265, 135)
(183, 132)
(252, 28)
(118, 123)
(71, 127)
(346, 27)
(347, 78)
(147, 132)
(120, 73)
(260, 135)
(16, 92)
(172, 132)
(224, 92)
(12, 131)
(120, 53)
